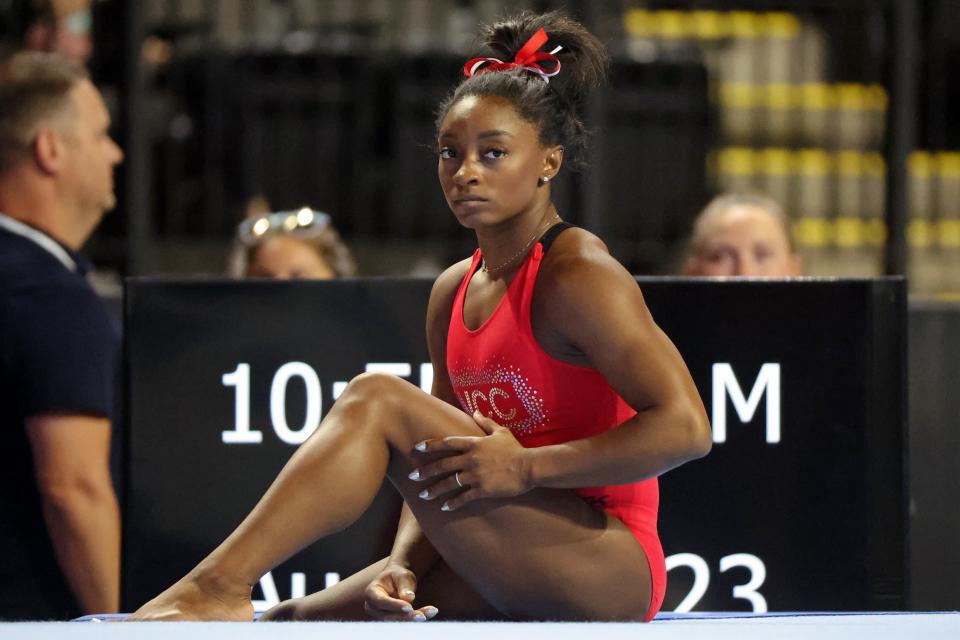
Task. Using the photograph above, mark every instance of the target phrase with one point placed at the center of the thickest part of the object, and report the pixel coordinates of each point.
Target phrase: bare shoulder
(579, 266)
(446, 285)
(587, 308)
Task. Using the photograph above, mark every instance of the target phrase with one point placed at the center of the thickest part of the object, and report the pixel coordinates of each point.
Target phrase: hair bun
(583, 56)
(553, 106)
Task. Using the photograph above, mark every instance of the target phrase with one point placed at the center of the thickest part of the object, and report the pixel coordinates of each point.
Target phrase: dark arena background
(803, 489)
(830, 503)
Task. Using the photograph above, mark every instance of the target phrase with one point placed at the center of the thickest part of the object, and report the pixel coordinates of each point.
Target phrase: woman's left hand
(492, 466)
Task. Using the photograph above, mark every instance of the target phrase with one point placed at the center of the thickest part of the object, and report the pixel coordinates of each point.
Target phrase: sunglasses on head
(304, 222)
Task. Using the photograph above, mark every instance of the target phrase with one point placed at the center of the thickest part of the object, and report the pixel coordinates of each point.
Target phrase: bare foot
(197, 598)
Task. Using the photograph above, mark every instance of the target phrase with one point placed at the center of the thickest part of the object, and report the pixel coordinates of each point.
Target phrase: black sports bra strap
(551, 234)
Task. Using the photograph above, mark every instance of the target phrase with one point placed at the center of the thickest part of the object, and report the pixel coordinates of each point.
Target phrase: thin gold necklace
(523, 250)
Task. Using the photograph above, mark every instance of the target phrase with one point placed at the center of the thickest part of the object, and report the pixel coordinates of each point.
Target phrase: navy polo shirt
(58, 354)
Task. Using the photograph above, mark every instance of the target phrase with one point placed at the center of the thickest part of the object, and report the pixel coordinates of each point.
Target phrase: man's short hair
(34, 91)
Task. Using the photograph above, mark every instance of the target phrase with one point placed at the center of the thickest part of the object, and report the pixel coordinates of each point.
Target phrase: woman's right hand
(391, 594)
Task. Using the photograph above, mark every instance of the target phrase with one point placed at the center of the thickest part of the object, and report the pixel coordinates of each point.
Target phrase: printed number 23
(701, 578)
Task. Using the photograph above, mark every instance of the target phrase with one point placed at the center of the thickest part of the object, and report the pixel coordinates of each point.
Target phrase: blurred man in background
(53, 26)
(742, 235)
(60, 529)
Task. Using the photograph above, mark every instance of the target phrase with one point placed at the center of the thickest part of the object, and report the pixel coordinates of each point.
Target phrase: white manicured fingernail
(408, 592)
(445, 507)
(424, 494)
(430, 612)
(414, 475)
(419, 617)
(421, 446)
(406, 608)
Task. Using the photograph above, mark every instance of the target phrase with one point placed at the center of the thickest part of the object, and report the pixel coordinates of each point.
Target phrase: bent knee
(381, 387)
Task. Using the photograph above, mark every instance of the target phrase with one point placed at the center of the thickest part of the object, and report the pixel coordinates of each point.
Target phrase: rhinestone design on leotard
(502, 393)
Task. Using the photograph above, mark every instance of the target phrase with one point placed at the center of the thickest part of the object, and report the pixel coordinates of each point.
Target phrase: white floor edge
(807, 627)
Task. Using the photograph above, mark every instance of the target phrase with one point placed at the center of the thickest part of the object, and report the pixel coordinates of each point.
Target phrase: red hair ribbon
(527, 58)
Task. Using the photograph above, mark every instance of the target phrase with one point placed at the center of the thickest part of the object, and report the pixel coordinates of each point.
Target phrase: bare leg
(545, 554)
(344, 601)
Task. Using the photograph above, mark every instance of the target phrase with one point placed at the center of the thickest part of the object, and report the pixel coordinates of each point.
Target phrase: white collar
(40, 238)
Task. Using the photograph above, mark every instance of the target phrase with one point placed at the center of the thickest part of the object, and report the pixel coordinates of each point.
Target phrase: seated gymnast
(529, 475)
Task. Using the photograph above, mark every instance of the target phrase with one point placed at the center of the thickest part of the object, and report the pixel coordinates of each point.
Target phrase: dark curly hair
(552, 107)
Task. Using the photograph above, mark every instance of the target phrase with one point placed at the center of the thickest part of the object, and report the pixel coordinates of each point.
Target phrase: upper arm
(69, 450)
(597, 306)
(438, 323)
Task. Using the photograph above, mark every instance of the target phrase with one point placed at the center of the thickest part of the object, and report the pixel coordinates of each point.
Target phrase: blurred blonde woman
(297, 244)
(743, 235)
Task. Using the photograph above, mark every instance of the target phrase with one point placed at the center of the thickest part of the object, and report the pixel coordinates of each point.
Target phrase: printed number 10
(240, 380)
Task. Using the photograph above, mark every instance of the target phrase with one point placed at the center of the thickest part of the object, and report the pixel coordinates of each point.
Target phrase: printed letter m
(725, 383)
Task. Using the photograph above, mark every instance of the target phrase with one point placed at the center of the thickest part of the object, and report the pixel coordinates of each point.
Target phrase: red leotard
(500, 370)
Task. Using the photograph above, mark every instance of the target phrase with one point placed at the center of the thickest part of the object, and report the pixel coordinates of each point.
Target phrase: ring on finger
(456, 477)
